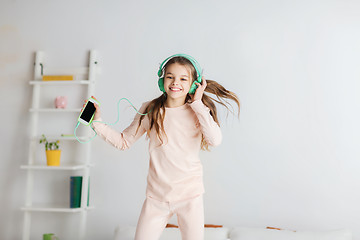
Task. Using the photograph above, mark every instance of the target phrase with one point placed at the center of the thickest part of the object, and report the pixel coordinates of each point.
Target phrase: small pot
(53, 157)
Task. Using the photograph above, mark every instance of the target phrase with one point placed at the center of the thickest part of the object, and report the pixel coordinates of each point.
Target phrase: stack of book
(75, 191)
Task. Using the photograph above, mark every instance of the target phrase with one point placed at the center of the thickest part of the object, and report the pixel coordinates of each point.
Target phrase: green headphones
(193, 62)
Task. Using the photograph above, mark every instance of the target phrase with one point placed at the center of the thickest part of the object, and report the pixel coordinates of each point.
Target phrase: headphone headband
(192, 61)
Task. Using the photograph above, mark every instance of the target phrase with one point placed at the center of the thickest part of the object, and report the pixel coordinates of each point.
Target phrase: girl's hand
(199, 90)
(97, 114)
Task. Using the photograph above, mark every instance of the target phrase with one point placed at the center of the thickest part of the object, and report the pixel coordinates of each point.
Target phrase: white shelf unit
(51, 110)
(58, 209)
(59, 83)
(36, 113)
(56, 168)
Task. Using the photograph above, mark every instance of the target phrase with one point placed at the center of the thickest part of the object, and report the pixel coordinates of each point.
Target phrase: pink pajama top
(175, 170)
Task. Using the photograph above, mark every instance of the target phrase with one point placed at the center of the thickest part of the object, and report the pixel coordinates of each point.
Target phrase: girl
(178, 125)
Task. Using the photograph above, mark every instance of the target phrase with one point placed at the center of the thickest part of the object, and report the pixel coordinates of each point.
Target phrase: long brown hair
(156, 107)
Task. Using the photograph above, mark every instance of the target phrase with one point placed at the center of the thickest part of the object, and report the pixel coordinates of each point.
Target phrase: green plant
(49, 145)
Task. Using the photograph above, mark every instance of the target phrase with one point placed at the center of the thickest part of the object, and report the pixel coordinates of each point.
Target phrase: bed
(242, 233)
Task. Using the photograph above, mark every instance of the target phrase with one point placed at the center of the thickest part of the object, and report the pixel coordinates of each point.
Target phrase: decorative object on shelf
(67, 135)
(61, 102)
(57, 77)
(75, 191)
(52, 151)
(50, 236)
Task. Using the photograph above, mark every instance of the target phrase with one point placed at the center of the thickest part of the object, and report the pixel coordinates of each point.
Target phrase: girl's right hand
(97, 114)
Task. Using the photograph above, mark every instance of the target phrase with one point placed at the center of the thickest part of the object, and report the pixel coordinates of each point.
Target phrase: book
(57, 77)
(75, 191)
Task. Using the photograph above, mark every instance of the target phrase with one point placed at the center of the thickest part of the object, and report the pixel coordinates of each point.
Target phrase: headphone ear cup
(161, 84)
(193, 86)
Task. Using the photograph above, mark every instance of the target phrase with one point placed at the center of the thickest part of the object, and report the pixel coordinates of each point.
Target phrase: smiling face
(177, 82)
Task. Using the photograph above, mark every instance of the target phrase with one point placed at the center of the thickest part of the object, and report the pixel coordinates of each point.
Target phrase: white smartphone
(87, 114)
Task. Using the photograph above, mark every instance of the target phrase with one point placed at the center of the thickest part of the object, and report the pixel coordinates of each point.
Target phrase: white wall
(292, 161)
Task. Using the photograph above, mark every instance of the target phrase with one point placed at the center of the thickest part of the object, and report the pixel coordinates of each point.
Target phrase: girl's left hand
(199, 90)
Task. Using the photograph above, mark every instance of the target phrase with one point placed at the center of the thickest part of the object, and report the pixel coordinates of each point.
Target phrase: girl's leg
(191, 218)
(153, 219)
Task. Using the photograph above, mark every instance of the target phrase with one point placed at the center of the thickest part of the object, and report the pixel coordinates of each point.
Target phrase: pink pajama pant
(155, 215)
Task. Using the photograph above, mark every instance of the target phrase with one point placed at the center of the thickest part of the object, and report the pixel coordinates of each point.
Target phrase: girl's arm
(121, 140)
(209, 128)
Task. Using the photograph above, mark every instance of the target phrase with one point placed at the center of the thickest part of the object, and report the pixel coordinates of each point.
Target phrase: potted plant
(52, 151)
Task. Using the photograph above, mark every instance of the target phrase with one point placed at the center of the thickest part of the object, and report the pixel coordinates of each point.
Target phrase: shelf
(56, 168)
(83, 82)
(69, 137)
(56, 83)
(55, 110)
(55, 209)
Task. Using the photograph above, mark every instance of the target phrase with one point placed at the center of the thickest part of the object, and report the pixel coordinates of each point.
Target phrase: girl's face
(177, 82)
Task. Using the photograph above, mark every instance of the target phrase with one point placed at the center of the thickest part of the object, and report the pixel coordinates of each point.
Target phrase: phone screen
(88, 112)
